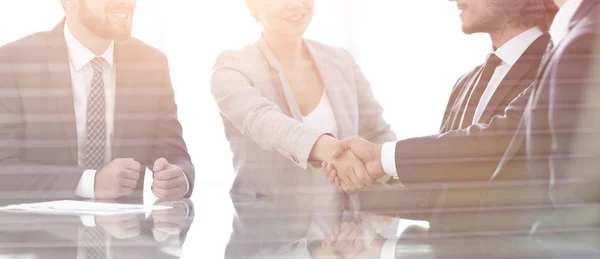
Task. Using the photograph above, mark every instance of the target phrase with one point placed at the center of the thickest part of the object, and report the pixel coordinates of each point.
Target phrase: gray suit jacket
(557, 136)
(560, 125)
(38, 150)
(263, 123)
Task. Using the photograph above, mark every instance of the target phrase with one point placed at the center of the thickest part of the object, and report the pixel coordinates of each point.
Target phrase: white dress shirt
(560, 24)
(81, 78)
(509, 53)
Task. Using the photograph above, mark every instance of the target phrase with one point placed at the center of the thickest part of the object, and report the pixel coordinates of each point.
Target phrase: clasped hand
(350, 172)
(120, 178)
(356, 164)
(351, 238)
(166, 223)
(172, 222)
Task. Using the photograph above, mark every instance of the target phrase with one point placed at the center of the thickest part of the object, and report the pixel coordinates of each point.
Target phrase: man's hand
(121, 226)
(170, 222)
(351, 172)
(169, 181)
(368, 152)
(353, 175)
(117, 179)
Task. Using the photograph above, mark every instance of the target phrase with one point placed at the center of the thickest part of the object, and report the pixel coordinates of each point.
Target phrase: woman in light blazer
(285, 101)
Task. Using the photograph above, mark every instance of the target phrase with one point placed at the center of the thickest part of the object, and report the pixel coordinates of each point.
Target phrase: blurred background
(398, 44)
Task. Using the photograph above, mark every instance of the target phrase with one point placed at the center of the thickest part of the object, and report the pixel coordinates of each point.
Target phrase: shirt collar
(80, 55)
(512, 50)
(560, 25)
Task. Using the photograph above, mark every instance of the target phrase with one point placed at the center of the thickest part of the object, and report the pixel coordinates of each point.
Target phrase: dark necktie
(477, 90)
(95, 149)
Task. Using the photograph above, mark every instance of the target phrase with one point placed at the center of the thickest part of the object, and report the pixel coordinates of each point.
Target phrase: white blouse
(322, 117)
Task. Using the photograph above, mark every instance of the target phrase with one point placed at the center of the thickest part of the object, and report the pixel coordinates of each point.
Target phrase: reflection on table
(505, 226)
(160, 234)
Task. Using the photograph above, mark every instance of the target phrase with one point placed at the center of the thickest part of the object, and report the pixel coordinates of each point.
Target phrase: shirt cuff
(85, 188)
(388, 251)
(388, 159)
(390, 230)
(88, 220)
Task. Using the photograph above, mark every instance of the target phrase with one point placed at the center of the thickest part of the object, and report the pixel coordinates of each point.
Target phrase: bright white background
(412, 52)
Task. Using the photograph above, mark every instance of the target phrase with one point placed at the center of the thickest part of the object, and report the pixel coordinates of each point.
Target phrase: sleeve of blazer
(573, 92)
(470, 154)
(20, 178)
(372, 126)
(256, 116)
(169, 141)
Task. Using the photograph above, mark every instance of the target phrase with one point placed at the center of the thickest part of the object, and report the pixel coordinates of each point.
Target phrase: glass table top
(387, 223)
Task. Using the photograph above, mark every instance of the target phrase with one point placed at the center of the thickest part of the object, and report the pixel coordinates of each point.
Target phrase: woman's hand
(350, 170)
(351, 173)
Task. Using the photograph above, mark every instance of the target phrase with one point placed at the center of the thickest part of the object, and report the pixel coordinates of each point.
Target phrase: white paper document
(69, 207)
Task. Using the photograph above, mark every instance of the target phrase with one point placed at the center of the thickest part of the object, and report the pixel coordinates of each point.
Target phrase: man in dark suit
(560, 126)
(475, 131)
(85, 109)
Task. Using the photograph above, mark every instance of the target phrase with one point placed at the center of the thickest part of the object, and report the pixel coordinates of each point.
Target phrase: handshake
(354, 164)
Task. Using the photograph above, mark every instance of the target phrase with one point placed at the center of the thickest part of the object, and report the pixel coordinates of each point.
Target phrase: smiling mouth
(294, 18)
(121, 13)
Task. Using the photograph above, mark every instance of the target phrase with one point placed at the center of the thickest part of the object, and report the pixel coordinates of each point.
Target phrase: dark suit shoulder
(25, 46)
(139, 50)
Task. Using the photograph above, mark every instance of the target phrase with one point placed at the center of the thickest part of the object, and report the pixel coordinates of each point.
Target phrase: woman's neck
(285, 48)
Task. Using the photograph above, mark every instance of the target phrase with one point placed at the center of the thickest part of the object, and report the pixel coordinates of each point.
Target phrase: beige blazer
(263, 123)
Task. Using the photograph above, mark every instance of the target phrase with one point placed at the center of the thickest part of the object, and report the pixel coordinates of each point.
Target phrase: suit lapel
(290, 105)
(448, 113)
(461, 102)
(59, 75)
(530, 59)
(337, 90)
